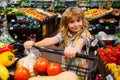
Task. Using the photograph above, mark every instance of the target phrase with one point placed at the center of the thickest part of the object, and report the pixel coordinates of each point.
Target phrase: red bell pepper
(112, 59)
(6, 48)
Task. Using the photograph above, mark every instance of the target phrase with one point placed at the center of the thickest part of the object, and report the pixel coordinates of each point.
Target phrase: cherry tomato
(21, 73)
(41, 65)
(53, 69)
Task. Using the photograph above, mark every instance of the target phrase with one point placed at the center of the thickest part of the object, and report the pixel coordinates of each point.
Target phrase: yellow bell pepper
(7, 58)
(4, 73)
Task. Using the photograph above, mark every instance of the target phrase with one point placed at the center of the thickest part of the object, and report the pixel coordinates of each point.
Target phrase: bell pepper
(6, 48)
(7, 58)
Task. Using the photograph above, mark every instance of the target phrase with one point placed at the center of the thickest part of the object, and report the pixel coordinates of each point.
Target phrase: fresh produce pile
(15, 11)
(42, 69)
(37, 13)
(96, 13)
(7, 57)
(110, 56)
(116, 12)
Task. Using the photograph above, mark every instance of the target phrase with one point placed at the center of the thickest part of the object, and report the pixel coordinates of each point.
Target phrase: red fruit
(41, 65)
(21, 73)
(53, 69)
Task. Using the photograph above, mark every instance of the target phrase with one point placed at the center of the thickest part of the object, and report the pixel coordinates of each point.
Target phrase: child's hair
(66, 17)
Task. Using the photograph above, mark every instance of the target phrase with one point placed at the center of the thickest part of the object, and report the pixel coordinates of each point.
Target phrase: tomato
(53, 69)
(41, 65)
(21, 73)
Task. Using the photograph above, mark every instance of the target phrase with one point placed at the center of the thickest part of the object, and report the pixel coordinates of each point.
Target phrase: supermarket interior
(25, 20)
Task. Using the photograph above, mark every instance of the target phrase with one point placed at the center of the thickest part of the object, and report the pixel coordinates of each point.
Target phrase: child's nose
(76, 23)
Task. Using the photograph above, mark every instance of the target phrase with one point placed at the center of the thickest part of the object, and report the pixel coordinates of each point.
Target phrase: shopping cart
(83, 73)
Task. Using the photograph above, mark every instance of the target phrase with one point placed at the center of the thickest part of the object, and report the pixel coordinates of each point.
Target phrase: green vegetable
(117, 35)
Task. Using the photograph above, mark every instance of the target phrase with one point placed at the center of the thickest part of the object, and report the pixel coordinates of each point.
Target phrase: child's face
(75, 24)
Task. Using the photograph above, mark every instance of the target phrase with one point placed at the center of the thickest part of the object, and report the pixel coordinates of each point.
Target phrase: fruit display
(15, 11)
(34, 13)
(96, 13)
(110, 20)
(116, 12)
(37, 13)
(45, 12)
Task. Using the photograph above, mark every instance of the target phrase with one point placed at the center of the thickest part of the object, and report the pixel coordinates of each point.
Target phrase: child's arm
(70, 52)
(79, 44)
(47, 42)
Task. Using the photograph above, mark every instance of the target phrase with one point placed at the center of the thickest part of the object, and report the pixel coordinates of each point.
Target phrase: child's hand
(28, 44)
(70, 52)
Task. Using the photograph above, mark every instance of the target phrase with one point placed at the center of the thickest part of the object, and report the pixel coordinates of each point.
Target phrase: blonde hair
(65, 19)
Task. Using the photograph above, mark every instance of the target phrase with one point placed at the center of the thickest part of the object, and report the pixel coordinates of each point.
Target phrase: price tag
(83, 8)
(101, 21)
(12, 20)
(109, 77)
(107, 28)
(90, 29)
(111, 21)
(116, 14)
(11, 28)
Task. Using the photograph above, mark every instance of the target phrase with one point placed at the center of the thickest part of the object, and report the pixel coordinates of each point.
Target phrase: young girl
(73, 34)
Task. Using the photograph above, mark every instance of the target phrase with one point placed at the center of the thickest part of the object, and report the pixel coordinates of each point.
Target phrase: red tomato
(21, 73)
(41, 65)
(53, 69)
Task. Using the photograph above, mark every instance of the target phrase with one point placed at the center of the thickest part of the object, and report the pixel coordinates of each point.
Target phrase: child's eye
(79, 20)
(71, 21)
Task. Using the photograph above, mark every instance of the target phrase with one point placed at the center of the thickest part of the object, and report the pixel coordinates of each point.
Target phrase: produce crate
(22, 34)
(47, 27)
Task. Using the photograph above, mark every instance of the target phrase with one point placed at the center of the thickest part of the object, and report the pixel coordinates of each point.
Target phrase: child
(73, 34)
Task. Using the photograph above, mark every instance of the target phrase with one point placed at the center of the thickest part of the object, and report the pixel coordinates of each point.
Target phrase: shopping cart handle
(61, 52)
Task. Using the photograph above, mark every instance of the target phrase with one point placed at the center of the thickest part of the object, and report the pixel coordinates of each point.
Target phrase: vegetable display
(4, 73)
(110, 56)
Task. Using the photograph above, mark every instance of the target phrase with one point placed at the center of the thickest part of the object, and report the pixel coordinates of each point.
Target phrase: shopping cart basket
(84, 73)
